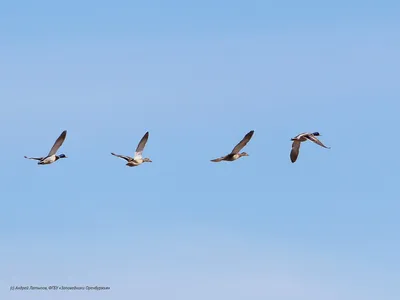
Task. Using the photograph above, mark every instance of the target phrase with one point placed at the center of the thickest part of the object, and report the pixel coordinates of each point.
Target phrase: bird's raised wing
(243, 142)
(58, 143)
(141, 145)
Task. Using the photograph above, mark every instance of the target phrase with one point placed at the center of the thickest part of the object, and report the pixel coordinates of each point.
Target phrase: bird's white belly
(235, 157)
(135, 162)
(49, 160)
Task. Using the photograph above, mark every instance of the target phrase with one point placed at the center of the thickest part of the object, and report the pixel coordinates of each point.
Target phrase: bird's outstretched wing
(218, 159)
(312, 138)
(127, 158)
(35, 158)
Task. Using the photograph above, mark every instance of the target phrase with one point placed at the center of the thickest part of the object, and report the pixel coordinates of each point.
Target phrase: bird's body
(52, 157)
(229, 157)
(132, 162)
(48, 160)
(235, 154)
(137, 159)
(302, 137)
(136, 162)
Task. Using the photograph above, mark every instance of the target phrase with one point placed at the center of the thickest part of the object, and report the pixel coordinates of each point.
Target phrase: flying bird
(234, 155)
(302, 137)
(52, 157)
(137, 159)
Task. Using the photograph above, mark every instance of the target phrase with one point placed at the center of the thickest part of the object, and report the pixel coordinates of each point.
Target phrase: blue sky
(199, 75)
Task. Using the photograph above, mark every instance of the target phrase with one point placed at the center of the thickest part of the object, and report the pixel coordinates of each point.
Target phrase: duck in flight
(302, 137)
(137, 159)
(52, 157)
(234, 155)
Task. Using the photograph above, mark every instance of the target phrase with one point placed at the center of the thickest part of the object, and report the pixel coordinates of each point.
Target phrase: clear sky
(198, 75)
